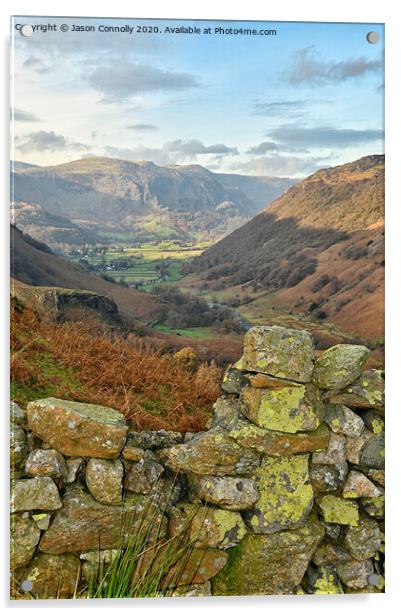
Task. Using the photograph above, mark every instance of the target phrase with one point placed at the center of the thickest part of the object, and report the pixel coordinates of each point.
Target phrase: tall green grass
(148, 564)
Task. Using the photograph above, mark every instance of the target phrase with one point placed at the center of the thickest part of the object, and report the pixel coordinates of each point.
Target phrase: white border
(285, 10)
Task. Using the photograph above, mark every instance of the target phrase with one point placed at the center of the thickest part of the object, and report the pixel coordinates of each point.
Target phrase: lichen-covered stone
(341, 419)
(231, 493)
(210, 453)
(233, 381)
(133, 453)
(53, 577)
(104, 480)
(166, 492)
(24, 537)
(355, 573)
(273, 443)
(358, 485)
(31, 494)
(376, 475)
(74, 467)
(154, 439)
(364, 540)
(18, 446)
(335, 453)
(355, 445)
(338, 510)
(17, 415)
(339, 366)
(326, 478)
(42, 520)
(373, 506)
(297, 408)
(47, 463)
(77, 429)
(285, 495)
(207, 527)
(322, 580)
(269, 564)
(84, 524)
(225, 412)
(141, 476)
(366, 392)
(329, 553)
(278, 351)
(372, 421)
(372, 454)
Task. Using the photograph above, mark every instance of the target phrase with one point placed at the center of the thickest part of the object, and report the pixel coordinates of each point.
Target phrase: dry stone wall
(283, 494)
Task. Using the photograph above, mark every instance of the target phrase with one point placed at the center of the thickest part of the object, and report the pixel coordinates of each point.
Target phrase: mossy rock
(338, 510)
(286, 495)
(78, 429)
(210, 453)
(367, 391)
(322, 580)
(269, 564)
(84, 524)
(339, 366)
(53, 577)
(274, 443)
(278, 351)
(231, 493)
(292, 409)
(24, 537)
(207, 527)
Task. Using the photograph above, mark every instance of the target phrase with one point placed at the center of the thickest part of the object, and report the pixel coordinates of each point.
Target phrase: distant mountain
(113, 196)
(38, 223)
(318, 249)
(17, 165)
(33, 263)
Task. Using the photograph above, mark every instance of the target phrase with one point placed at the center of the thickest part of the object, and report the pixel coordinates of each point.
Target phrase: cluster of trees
(177, 309)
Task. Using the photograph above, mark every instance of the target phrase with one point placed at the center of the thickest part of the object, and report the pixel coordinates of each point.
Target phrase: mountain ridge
(112, 195)
(318, 249)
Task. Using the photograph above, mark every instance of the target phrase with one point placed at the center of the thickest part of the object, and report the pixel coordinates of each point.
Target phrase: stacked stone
(283, 494)
(296, 446)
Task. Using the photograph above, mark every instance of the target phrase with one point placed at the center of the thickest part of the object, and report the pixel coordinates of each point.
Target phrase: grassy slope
(317, 223)
(33, 266)
(85, 361)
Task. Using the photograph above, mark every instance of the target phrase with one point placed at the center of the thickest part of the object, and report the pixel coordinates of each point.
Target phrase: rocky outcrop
(284, 494)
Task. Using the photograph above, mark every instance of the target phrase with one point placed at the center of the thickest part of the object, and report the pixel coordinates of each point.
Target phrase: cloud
(280, 166)
(309, 68)
(171, 152)
(123, 80)
(293, 136)
(37, 64)
(193, 147)
(142, 127)
(20, 115)
(159, 156)
(279, 108)
(42, 141)
(262, 148)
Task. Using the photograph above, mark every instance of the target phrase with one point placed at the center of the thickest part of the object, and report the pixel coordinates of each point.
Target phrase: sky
(308, 97)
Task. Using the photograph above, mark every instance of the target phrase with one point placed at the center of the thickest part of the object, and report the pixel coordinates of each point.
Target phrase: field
(203, 333)
(145, 264)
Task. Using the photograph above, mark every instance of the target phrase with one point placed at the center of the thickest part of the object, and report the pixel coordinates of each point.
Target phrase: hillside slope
(33, 265)
(115, 196)
(318, 249)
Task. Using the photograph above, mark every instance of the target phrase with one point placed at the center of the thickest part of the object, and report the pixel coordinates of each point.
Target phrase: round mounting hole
(372, 37)
(26, 30)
